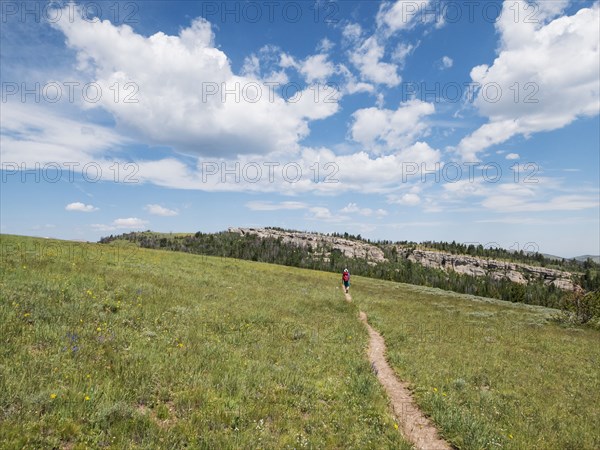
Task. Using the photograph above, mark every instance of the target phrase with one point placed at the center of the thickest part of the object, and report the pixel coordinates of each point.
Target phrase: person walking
(346, 279)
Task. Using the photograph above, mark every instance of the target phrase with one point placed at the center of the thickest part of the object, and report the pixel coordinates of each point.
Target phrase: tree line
(322, 256)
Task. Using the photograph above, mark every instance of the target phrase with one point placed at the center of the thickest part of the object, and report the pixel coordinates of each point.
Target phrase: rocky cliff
(469, 265)
(463, 264)
(320, 243)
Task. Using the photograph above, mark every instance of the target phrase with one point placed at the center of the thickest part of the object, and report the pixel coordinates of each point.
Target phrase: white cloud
(373, 127)
(367, 56)
(313, 68)
(316, 68)
(325, 45)
(512, 156)
(272, 206)
(447, 62)
(511, 203)
(544, 11)
(35, 134)
(287, 61)
(408, 199)
(485, 136)
(78, 206)
(401, 15)
(181, 84)
(402, 52)
(130, 223)
(543, 195)
(158, 210)
(352, 86)
(352, 32)
(464, 188)
(527, 88)
(322, 213)
(251, 67)
(353, 208)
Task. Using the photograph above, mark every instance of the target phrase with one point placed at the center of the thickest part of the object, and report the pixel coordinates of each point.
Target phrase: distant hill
(495, 273)
(584, 258)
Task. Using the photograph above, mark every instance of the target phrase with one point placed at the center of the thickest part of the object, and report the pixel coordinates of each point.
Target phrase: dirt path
(414, 425)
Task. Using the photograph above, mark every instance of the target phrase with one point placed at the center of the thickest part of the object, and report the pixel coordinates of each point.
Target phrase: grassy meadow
(119, 347)
(112, 346)
(491, 374)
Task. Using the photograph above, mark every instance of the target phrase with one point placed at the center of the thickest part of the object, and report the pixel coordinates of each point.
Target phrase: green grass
(491, 374)
(112, 346)
(119, 347)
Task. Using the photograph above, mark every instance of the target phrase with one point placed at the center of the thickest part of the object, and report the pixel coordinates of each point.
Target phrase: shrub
(579, 308)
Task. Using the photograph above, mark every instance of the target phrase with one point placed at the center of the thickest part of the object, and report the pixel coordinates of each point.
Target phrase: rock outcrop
(322, 246)
(469, 265)
(320, 243)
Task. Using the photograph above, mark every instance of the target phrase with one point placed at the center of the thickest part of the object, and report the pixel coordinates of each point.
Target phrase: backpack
(346, 276)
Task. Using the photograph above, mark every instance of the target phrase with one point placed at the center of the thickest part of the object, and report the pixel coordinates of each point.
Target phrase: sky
(474, 122)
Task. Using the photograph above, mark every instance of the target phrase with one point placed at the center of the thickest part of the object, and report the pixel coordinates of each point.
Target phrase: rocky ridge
(463, 264)
(470, 265)
(350, 248)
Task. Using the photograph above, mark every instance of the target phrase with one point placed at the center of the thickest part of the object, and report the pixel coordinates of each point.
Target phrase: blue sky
(409, 120)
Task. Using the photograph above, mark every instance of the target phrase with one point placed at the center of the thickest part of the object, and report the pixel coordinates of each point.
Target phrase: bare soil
(413, 424)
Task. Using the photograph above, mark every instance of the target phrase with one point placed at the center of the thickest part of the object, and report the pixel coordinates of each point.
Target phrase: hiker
(346, 279)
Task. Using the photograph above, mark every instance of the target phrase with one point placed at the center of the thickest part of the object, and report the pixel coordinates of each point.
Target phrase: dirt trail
(414, 425)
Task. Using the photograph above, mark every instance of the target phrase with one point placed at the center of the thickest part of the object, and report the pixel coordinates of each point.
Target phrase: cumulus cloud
(352, 85)
(317, 68)
(392, 129)
(181, 84)
(82, 207)
(512, 156)
(545, 76)
(159, 210)
(367, 58)
(324, 214)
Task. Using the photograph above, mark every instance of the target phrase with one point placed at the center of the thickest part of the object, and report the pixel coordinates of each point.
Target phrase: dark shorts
(346, 283)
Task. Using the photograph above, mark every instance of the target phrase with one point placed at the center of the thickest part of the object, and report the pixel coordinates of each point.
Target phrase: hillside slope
(117, 346)
(122, 347)
(463, 264)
